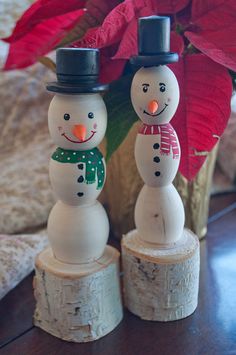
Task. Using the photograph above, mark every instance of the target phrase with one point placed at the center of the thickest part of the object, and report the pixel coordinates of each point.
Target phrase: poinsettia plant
(203, 34)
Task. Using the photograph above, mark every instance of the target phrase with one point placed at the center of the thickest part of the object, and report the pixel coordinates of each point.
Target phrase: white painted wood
(159, 212)
(78, 234)
(145, 156)
(64, 181)
(161, 284)
(78, 226)
(142, 95)
(78, 107)
(77, 303)
(159, 215)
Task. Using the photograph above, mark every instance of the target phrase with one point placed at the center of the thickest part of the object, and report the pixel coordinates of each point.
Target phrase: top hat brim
(71, 89)
(154, 60)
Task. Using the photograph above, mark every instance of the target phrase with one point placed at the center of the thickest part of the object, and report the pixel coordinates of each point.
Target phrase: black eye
(145, 88)
(162, 88)
(90, 115)
(66, 116)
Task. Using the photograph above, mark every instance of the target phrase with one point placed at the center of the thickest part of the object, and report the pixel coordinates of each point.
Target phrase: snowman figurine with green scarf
(78, 225)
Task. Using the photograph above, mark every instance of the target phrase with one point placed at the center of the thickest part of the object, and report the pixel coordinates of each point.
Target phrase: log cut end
(78, 303)
(160, 283)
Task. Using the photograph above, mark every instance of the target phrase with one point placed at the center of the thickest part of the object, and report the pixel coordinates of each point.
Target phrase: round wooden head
(77, 122)
(155, 94)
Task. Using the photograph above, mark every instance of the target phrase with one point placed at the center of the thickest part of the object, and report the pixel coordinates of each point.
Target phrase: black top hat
(154, 42)
(77, 71)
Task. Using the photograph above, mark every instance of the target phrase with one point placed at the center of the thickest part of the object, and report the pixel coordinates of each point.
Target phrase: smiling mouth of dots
(157, 114)
(79, 142)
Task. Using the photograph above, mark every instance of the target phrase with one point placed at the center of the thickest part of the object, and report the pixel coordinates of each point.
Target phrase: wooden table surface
(211, 330)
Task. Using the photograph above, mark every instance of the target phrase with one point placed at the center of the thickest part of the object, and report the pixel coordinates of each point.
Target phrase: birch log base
(161, 284)
(78, 303)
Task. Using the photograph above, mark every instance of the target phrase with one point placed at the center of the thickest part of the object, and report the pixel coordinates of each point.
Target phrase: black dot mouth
(157, 114)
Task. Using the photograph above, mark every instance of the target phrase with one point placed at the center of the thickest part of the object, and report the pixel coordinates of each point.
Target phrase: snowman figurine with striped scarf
(160, 257)
(159, 212)
(78, 225)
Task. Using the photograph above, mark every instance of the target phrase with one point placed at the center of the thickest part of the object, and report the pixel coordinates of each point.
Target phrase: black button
(80, 194)
(157, 173)
(80, 166)
(156, 146)
(80, 179)
(156, 159)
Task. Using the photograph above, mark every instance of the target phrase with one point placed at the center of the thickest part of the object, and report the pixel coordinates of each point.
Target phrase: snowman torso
(159, 212)
(77, 124)
(157, 154)
(77, 177)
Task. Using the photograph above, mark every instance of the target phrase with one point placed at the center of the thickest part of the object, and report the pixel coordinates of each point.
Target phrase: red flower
(203, 111)
(207, 26)
(46, 23)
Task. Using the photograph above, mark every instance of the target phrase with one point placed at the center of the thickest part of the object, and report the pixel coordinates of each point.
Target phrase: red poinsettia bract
(46, 23)
(203, 111)
(208, 26)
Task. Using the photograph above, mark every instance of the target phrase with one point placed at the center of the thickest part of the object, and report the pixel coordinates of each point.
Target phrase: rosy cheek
(95, 125)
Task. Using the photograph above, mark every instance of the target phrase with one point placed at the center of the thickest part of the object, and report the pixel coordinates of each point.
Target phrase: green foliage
(121, 115)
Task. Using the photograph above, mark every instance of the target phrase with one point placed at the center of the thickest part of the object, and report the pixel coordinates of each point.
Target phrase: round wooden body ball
(161, 283)
(78, 303)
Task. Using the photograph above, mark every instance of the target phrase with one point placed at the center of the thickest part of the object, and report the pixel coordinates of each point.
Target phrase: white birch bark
(78, 303)
(160, 283)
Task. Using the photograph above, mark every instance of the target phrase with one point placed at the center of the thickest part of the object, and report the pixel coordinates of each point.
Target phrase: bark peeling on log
(160, 289)
(80, 309)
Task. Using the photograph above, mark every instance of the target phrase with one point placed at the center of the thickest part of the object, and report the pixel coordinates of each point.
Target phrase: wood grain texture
(16, 311)
(210, 330)
(78, 303)
(161, 284)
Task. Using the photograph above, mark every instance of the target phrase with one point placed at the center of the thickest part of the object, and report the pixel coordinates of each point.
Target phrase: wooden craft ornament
(159, 256)
(79, 272)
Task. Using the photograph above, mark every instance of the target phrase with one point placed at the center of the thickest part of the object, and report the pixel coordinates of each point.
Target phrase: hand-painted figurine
(77, 285)
(160, 258)
(78, 225)
(159, 212)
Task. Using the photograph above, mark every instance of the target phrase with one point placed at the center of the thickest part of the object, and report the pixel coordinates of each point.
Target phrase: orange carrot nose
(79, 131)
(153, 106)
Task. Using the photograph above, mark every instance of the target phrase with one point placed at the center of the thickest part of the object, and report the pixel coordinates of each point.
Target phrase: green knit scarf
(93, 160)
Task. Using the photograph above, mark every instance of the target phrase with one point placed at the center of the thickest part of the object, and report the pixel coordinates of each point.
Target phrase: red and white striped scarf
(168, 137)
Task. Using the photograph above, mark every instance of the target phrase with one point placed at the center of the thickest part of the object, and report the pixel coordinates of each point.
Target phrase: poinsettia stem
(48, 63)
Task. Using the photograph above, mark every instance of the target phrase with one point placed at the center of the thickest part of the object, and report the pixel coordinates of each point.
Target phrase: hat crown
(154, 35)
(154, 42)
(77, 65)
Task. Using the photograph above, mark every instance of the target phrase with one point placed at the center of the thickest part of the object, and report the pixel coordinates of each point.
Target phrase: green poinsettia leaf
(121, 115)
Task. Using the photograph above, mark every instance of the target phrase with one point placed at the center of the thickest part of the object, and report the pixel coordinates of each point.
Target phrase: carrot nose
(79, 131)
(153, 106)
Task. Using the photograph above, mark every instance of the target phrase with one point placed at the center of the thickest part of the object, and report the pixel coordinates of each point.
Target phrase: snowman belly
(69, 183)
(159, 215)
(155, 168)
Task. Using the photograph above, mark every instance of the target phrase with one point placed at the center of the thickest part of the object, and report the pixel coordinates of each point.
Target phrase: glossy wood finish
(211, 330)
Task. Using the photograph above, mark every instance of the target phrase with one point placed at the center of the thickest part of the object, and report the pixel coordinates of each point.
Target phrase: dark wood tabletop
(211, 330)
